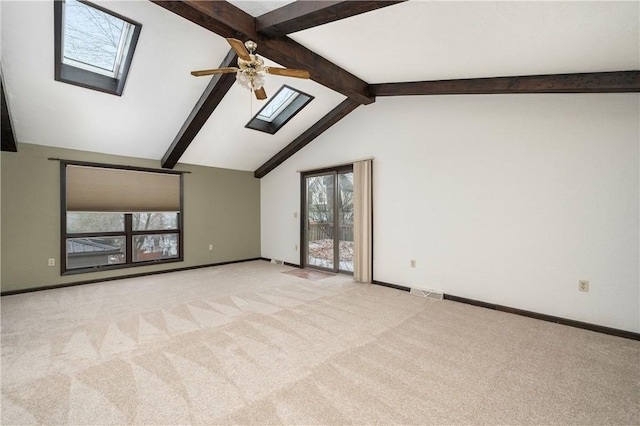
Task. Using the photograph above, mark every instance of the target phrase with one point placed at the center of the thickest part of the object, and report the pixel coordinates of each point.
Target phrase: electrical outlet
(295, 215)
(413, 263)
(296, 247)
(51, 262)
(210, 247)
(583, 285)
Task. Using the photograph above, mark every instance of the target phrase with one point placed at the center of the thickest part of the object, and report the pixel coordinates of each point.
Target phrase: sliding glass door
(327, 222)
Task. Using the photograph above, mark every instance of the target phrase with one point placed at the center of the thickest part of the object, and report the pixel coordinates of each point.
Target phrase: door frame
(304, 217)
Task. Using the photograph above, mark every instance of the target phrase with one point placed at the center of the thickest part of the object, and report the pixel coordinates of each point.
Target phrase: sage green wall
(221, 207)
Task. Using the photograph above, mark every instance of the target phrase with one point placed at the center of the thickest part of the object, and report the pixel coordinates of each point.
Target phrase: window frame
(82, 77)
(128, 233)
(283, 117)
(304, 216)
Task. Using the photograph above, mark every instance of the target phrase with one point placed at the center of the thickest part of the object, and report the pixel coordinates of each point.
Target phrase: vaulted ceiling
(353, 50)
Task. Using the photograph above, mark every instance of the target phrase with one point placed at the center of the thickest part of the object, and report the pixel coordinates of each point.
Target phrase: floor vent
(431, 294)
(277, 262)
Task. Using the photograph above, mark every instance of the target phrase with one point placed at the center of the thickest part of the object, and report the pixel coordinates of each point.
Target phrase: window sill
(120, 266)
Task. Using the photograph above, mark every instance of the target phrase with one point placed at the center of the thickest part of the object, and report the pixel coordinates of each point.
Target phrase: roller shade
(97, 189)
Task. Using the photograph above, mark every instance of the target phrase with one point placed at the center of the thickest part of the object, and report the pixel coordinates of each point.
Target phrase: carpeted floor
(251, 344)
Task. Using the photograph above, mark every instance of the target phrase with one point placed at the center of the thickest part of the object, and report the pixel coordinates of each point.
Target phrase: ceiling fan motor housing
(252, 66)
(251, 46)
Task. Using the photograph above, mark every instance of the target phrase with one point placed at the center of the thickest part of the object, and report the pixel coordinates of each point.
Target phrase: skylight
(93, 38)
(281, 108)
(94, 46)
(279, 102)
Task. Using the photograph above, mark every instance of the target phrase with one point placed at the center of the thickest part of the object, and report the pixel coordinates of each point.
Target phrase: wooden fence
(324, 231)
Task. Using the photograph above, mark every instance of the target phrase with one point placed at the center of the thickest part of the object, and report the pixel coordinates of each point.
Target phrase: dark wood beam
(597, 82)
(7, 135)
(301, 15)
(227, 20)
(217, 16)
(335, 115)
(291, 54)
(208, 102)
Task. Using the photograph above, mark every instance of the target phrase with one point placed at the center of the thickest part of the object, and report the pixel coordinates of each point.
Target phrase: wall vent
(431, 294)
(277, 262)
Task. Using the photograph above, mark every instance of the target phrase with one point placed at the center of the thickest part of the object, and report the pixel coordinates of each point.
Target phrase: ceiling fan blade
(214, 71)
(239, 48)
(288, 72)
(260, 94)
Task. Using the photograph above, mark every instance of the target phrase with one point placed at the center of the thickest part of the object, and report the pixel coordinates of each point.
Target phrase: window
(281, 108)
(93, 46)
(116, 217)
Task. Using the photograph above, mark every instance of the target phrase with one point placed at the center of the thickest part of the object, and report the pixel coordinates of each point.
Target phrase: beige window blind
(97, 189)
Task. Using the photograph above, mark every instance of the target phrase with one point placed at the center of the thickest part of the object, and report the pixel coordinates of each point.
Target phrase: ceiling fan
(251, 69)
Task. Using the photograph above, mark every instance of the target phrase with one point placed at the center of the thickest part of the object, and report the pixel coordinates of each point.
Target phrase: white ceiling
(429, 40)
(260, 7)
(406, 42)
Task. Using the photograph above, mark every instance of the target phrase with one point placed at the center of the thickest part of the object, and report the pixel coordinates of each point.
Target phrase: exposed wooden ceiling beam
(335, 115)
(289, 53)
(227, 20)
(208, 102)
(301, 15)
(220, 17)
(598, 82)
(7, 135)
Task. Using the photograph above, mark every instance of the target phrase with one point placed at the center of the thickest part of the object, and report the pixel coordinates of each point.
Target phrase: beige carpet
(247, 343)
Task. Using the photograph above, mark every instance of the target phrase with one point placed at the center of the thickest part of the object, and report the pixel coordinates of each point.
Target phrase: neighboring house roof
(90, 245)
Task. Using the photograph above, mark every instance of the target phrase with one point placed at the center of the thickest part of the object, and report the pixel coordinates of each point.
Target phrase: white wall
(507, 199)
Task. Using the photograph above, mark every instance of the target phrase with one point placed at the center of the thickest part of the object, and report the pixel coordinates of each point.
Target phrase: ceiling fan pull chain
(250, 99)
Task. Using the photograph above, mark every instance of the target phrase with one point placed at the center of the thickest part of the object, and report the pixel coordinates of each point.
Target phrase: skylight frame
(281, 115)
(89, 76)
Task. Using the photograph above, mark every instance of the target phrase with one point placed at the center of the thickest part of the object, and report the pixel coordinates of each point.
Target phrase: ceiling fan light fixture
(250, 82)
(251, 70)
